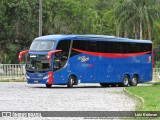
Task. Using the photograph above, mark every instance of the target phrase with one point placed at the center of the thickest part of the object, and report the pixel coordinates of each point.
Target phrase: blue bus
(73, 59)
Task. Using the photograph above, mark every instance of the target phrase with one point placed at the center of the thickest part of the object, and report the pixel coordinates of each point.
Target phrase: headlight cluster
(46, 77)
(27, 77)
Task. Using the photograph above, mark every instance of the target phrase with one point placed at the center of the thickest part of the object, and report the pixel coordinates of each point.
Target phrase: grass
(150, 96)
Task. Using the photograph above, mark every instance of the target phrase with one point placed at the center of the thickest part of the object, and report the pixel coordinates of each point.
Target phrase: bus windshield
(41, 45)
(38, 63)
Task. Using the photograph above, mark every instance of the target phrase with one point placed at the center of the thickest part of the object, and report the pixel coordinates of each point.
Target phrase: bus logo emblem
(149, 59)
(83, 58)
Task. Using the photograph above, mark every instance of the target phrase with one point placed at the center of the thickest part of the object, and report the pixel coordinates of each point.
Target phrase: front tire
(71, 81)
(134, 81)
(48, 85)
(125, 81)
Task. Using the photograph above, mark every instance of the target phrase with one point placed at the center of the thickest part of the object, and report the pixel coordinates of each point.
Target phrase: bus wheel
(134, 81)
(48, 85)
(125, 81)
(104, 84)
(71, 81)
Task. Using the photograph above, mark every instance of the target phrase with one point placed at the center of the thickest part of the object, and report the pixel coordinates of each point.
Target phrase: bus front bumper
(40, 78)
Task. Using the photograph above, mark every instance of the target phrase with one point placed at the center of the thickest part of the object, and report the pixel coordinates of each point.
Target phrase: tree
(17, 25)
(135, 15)
(6, 28)
(125, 18)
(70, 17)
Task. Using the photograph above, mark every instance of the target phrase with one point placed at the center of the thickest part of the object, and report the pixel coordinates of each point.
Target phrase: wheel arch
(129, 76)
(76, 78)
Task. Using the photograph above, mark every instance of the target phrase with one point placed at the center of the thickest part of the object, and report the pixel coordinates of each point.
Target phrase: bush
(157, 64)
(157, 83)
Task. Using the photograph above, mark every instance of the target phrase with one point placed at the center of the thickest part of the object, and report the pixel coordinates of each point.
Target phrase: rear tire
(125, 81)
(104, 84)
(48, 85)
(134, 81)
(71, 81)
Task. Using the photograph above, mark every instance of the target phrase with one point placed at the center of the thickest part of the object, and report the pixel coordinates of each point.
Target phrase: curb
(140, 98)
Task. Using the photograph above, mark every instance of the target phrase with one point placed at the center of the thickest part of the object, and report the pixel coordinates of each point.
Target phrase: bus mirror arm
(21, 54)
(52, 52)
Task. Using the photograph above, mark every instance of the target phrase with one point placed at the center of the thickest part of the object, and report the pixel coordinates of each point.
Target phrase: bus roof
(91, 37)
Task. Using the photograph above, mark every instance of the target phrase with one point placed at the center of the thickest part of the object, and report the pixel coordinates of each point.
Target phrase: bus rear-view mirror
(21, 54)
(51, 53)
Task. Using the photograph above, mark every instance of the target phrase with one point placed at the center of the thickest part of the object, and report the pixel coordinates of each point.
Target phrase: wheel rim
(134, 80)
(72, 80)
(126, 80)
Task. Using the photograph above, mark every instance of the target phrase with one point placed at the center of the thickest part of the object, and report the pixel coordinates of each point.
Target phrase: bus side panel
(83, 67)
(146, 63)
(123, 67)
(93, 69)
(139, 65)
(61, 76)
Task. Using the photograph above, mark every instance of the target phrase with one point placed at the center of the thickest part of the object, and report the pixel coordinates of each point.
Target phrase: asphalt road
(20, 96)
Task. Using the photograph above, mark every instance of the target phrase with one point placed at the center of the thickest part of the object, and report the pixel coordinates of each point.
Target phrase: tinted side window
(146, 47)
(63, 45)
(133, 47)
(119, 46)
(93, 46)
(79, 44)
(107, 47)
(86, 45)
(139, 47)
(114, 47)
(110, 47)
(60, 58)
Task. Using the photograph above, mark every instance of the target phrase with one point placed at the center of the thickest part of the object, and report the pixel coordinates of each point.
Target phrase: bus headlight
(46, 77)
(27, 77)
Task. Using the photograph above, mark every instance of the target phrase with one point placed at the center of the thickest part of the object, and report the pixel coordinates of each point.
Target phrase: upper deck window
(41, 45)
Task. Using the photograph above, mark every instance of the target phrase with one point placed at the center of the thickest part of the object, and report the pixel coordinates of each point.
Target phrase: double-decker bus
(73, 59)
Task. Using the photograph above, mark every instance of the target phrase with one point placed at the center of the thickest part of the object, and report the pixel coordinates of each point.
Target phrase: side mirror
(52, 52)
(21, 54)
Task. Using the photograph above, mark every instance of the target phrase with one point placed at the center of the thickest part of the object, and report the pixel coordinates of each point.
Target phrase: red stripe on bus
(112, 55)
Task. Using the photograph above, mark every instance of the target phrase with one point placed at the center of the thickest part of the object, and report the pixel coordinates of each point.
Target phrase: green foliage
(157, 64)
(156, 35)
(19, 21)
(18, 28)
(137, 16)
(157, 83)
